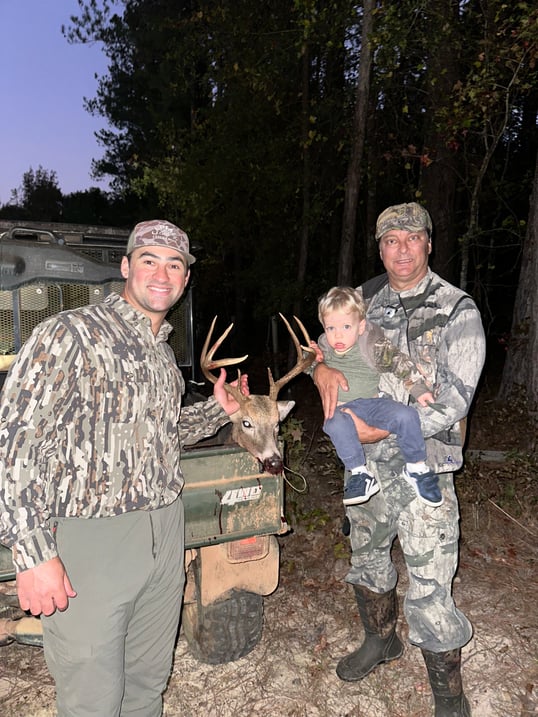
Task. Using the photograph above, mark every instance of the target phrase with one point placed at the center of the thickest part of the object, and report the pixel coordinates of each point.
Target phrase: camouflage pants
(429, 541)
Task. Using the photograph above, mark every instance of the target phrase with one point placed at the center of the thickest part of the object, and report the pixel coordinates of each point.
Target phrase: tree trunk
(372, 263)
(345, 262)
(305, 219)
(521, 368)
(439, 174)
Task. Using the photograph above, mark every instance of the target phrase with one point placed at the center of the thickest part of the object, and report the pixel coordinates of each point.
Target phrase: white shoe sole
(357, 500)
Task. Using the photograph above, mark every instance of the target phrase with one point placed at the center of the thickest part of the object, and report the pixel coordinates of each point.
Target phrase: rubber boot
(444, 671)
(378, 613)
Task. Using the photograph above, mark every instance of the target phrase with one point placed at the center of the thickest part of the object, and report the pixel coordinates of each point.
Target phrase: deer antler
(303, 362)
(255, 423)
(207, 362)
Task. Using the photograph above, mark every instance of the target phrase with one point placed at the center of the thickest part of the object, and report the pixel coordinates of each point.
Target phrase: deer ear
(284, 407)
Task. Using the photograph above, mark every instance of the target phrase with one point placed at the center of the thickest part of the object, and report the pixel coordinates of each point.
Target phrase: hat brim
(406, 228)
(189, 258)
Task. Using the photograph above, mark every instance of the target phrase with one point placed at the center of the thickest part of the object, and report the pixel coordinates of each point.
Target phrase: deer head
(255, 424)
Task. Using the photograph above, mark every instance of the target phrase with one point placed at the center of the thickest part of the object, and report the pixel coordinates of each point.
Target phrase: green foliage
(206, 102)
(236, 121)
(502, 68)
(313, 520)
(341, 551)
(292, 433)
(39, 197)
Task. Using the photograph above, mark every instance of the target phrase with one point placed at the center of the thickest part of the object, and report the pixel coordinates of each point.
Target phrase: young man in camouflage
(440, 328)
(90, 480)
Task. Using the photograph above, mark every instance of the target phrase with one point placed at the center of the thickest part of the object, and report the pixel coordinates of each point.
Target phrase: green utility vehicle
(232, 510)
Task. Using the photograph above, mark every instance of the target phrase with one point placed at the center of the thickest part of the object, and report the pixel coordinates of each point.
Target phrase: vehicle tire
(224, 631)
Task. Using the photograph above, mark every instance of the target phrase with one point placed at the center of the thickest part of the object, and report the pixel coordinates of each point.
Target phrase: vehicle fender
(251, 564)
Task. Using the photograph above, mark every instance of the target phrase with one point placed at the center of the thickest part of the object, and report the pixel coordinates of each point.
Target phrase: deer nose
(273, 465)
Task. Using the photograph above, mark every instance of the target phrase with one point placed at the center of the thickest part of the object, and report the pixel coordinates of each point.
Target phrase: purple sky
(43, 81)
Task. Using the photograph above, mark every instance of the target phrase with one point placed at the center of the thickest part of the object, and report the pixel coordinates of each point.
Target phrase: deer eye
(246, 423)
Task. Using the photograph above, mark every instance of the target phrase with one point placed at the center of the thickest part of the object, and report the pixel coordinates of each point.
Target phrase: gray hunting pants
(110, 652)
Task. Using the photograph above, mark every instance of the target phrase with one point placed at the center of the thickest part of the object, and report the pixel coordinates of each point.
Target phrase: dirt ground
(311, 621)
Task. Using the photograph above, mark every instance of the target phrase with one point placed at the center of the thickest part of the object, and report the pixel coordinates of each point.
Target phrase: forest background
(274, 133)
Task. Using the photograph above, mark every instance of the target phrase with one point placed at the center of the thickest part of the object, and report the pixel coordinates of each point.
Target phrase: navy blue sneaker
(426, 486)
(360, 488)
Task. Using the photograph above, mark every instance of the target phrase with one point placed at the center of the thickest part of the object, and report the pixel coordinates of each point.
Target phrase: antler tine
(207, 363)
(303, 362)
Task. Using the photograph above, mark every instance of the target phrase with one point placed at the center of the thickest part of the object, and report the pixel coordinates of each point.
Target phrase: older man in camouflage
(439, 326)
(90, 480)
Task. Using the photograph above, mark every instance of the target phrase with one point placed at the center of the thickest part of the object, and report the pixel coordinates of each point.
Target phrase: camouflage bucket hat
(159, 232)
(411, 217)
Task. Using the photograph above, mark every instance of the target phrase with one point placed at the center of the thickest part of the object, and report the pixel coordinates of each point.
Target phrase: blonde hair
(341, 298)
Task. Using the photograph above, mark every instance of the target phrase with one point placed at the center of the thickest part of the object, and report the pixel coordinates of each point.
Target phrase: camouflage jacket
(372, 355)
(89, 424)
(440, 328)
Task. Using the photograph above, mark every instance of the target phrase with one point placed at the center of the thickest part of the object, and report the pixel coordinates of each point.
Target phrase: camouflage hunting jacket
(371, 356)
(89, 419)
(440, 328)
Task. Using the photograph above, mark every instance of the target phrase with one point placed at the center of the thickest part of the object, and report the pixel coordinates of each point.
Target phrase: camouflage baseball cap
(159, 232)
(411, 217)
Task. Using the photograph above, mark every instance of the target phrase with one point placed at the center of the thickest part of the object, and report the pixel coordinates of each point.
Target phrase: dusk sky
(43, 81)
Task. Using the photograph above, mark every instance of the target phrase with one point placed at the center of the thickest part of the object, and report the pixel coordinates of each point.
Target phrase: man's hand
(45, 588)
(319, 353)
(327, 381)
(425, 399)
(226, 400)
(366, 433)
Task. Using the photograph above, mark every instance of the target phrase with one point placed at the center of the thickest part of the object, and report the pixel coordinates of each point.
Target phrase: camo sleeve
(25, 443)
(459, 358)
(385, 357)
(201, 420)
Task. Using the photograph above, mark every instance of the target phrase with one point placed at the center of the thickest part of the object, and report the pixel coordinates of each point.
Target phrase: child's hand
(319, 353)
(425, 399)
